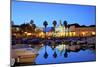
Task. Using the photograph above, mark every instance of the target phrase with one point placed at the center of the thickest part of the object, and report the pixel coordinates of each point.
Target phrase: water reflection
(46, 54)
(62, 54)
(65, 54)
(55, 54)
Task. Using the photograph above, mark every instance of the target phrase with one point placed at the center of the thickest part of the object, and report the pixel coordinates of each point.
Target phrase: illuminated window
(83, 33)
(41, 33)
(70, 33)
(29, 34)
(74, 33)
(17, 29)
(66, 33)
(93, 33)
(25, 32)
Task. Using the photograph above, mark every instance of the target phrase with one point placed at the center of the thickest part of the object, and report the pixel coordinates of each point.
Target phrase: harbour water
(79, 56)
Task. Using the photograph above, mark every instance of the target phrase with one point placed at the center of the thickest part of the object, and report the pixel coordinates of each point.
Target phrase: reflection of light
(61, 47)
(41, 45)
(93, 33)
(30, 45)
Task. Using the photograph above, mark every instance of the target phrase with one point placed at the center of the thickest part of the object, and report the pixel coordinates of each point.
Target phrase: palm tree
(45, 25)
(31, 22)
(54, 24)
(65, 25)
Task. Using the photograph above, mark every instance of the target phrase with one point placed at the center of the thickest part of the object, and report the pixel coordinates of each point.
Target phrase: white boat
(23, 55)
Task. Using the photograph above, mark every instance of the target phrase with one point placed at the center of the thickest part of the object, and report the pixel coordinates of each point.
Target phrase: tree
(22, 26)
(33, 25)
(31, 22)
(54, 24)
(45, 25)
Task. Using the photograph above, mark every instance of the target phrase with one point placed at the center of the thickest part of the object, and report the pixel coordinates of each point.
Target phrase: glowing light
(61, 47)
(70, 33)
(14, 34)
(29, 34)
(93, 33)
(17, 29)
(25, 32)
(41, 33)
(74, 33)
(67, 34)
(83, 33)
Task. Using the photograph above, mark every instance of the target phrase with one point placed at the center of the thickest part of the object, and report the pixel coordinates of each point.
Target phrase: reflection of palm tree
(65, 54)
(55, 54)
(46, 54)
(45, 25)
(65, 25)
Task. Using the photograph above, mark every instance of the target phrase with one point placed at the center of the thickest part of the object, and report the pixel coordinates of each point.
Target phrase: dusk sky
(39, 12)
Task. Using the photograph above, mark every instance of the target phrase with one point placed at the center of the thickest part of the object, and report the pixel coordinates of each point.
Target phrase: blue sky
(39, 12)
